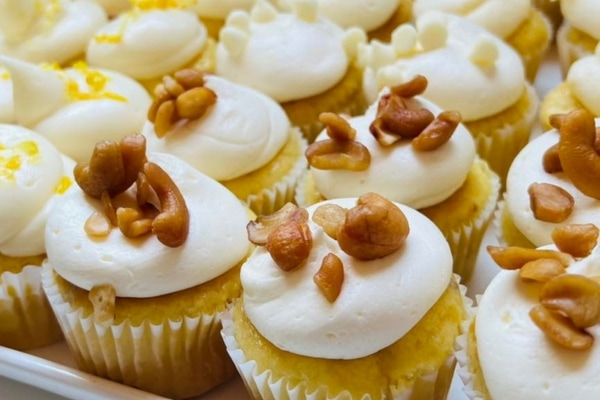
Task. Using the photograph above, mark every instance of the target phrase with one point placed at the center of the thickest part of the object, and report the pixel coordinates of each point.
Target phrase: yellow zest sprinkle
(96, 82)
(5, 75)
(13, 157)
(50, 10)
(145, 5)
(13, 163)
(50, 66)
(64, 184)
(29, 147)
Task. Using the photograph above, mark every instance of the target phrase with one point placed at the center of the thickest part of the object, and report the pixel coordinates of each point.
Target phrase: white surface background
(50, 367)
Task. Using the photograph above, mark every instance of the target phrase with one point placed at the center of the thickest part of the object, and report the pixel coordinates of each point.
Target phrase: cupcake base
(559, 100)
(506, 231)
(270, 373)
(572, 44)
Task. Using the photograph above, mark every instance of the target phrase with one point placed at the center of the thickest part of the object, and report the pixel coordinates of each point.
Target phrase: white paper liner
(177, 358)
(272, 199)
(23, 301)
(300, 192)
(261, 385)
(501, 146)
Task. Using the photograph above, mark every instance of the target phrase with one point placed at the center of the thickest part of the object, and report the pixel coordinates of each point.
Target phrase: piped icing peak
(78, 102)
(176, 34)
(48, 30)
(488, 73)
(312, 54)
(583, 79)
(341, 325)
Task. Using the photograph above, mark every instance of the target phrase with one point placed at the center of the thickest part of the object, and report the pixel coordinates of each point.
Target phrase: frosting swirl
(287, 56)
(501, 17)
(508, 342)
(144, 267)
(456, 56)
(48, 30)
(398, 172)
(527, 168)
(33, 176)
(581, 14)
(240, 133)
(146, 44)
(583, 79)
(76, 107)
(288, 309)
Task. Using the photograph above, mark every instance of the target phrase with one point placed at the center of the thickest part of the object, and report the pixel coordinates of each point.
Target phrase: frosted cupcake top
(583, 79)
(456, 56)
(48, 30)
(78, 106)
(501, 17)
(298, 314)
(398, 170)
(287, 56)
(220, 9)
(365, 14)
(581, 15)
(563, 177)
(198, 234)
(510, 340)
(33, 176)
(152, 39)
(233, 131)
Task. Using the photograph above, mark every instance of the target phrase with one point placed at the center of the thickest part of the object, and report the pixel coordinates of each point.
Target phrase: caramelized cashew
(290, 244)
(412, 88)
(331, 218)
(574, 296)
(560, 329)
(171, 225)
(395, 121)
(438, 132)
(550, 203)
(104, 173)
(330, 277)
(514, 257)
(576, 239)
(260, 229)
(133, 153)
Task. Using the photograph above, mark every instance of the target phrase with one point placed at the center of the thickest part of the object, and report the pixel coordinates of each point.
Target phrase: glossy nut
(438, 132)
(576, 239)
(575, 296)
(290, 244)
(330, 277)
(550, 203)
(514, 257)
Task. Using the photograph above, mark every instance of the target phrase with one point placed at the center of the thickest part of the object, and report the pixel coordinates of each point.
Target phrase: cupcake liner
(302, 188)
(504, 229)
(262, 384)
(500, 146)
(27, 319)
(271, 199)
(569, 50)
(176, 358)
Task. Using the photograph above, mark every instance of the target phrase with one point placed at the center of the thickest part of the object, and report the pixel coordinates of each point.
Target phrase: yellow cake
(139, 270)
(324, 339)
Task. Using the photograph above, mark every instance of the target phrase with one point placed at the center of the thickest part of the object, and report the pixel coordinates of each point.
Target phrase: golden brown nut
(438, 132)
(412, 88)
(551, 160)
(330, 217)
(290, 244)
(260, 229)
(104, 173)
(560, 329)
(330, 277)
(132, 222)
(550, 203)
(576, 239)
(374, 228)
(541, 270)
(574, 296)
(514, 257)
(97, 225)
(395, 121)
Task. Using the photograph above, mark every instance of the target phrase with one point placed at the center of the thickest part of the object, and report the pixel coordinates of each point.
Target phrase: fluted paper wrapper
(176, 359)
(263, 384)
(273, 198)
(569, 51)
(26, 318)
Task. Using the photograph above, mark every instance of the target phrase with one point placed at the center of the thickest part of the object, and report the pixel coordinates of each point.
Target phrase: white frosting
(468, 69)
(7, 108)
(144, 267)
(114, 7)
(526, 169)
(583, 79)
(582, 14)
(220, 9)
(148, 44)
(501, 17)
(518, 361)
(48, 30)
(416, 178)
(239, 134)
(73, 113)
(365, 14)
(32, 176)
(281, 54)
(380, 300)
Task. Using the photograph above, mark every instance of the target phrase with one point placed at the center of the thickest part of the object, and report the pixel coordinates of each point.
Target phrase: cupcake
(152, 39)
(48, 30)
(33, 177)
(330, 311)
(232, 133)
(378, 18)
(469, 70)
(213, 13)
(534, 335)
(578, 34)
(517, 22)
(304, 62)
(142, 259)
(77, 106)
(578, 90)
(410, 151)
(551, 183)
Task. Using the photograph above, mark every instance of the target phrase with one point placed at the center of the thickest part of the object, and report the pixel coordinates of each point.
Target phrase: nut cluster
(159, 206)
(179, 97)
(396, 121)
(577, 155)
(374, 228)
(568, 303)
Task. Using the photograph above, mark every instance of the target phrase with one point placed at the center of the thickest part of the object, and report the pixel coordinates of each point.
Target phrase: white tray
(50, 373)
